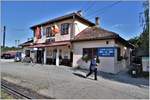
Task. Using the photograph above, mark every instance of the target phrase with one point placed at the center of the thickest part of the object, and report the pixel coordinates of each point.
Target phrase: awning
(61, 43)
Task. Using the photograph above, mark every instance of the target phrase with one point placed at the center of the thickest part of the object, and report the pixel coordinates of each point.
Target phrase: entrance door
(40, 56)
(54, 57)
(71, 58)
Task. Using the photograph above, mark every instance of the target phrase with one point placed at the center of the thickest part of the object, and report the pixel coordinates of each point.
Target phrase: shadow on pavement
(80, 75)
(122, 77)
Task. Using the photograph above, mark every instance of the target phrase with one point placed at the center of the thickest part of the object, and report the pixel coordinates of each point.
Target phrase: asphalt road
(64, 83)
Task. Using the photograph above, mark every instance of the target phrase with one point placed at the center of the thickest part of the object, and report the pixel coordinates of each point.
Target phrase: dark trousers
(95, 73)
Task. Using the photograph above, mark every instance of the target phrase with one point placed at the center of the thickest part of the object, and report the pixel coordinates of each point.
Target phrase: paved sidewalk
(65, 83)
(122, 77)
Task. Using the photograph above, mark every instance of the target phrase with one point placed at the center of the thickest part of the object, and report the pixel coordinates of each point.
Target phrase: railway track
(19, 92)
(14, 93)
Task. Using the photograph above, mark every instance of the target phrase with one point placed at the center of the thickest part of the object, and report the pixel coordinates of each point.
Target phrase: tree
(142, 42)
(144, 37)
(136, 41)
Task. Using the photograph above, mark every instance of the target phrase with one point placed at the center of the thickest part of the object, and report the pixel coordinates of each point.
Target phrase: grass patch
(5, 95)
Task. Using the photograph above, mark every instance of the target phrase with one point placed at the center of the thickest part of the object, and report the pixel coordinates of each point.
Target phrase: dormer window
(64, 28)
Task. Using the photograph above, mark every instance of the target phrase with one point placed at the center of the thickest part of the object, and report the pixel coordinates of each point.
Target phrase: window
(64, 28)
(27, 53)
(90, 52)
(107, 42)
(44, 31)
(49, 32)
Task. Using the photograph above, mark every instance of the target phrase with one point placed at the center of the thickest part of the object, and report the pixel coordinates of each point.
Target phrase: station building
(66, 39)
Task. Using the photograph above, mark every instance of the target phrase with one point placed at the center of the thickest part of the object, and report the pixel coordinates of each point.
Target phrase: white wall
(125, 63)
(107, 63)
(79, 27)
(58, 36)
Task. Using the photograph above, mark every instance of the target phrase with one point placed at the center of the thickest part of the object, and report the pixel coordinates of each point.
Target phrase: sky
(19, 16)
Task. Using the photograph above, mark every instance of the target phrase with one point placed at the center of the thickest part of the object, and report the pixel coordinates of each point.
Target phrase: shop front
(54, 54)
(60, 55)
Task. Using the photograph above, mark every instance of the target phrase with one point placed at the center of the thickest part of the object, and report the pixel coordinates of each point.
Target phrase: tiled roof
(26, 43)
(93, 33)
(68, 16)
(96, 33)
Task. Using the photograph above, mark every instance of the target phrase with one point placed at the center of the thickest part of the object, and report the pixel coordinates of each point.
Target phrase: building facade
(66, 39)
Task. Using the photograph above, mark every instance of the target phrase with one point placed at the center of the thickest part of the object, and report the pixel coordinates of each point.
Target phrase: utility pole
(15, 43)
(4, 32)
(18, 43)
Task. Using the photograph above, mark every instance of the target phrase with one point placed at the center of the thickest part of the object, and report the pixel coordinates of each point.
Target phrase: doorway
(40, 56)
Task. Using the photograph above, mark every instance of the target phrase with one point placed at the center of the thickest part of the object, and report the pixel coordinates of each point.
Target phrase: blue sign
(106, 51)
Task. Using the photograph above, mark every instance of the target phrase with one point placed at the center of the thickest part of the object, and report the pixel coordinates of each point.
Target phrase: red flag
(38, 33)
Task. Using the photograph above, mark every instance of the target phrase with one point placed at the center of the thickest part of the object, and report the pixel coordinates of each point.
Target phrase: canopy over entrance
(62, 43)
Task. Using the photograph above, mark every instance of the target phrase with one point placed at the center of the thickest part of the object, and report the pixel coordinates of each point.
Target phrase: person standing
(93, 68)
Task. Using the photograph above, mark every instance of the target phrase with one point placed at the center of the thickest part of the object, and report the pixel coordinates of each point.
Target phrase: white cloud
(117, 26)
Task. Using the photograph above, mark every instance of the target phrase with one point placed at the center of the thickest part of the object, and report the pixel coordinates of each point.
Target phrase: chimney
(97, 21)
(79, 12)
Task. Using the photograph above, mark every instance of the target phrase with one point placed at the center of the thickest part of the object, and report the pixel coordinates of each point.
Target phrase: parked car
(6, 56)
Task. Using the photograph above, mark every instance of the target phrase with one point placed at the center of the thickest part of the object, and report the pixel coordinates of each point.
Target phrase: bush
(97, 60)
(85, 58)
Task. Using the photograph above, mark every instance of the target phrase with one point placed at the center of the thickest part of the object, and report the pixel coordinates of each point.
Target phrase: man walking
(93, 68)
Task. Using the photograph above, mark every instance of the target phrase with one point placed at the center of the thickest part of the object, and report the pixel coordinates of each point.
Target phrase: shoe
(95, 79)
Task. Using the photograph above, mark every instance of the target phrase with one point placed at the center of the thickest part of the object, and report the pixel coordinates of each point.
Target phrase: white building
(64, 40)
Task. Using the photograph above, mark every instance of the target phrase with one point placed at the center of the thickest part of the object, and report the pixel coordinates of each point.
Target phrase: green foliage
(97, 60)
(144, 37)
(136, 41)
(86, 58)
(4, 49)
(142, 41)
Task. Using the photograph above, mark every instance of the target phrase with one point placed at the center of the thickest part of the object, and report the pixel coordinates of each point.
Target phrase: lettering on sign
(106, 51)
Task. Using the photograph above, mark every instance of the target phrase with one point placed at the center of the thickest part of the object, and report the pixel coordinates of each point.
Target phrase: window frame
(49, 32)
(65, 28)
(90, 52)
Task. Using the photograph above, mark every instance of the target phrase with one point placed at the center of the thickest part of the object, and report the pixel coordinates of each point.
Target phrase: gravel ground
(65, 83)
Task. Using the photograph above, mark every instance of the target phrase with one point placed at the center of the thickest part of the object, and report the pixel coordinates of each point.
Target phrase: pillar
(57, 57)
(45, 51)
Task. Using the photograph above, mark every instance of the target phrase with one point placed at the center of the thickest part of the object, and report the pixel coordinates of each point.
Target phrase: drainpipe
(73, 28)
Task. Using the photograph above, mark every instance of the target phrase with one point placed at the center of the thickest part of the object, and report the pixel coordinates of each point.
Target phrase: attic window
(107, 42)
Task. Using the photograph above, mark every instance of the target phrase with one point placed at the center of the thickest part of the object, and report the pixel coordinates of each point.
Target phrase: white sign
(145, 64)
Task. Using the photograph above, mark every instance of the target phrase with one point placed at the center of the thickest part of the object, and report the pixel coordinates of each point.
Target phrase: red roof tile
(94, 32)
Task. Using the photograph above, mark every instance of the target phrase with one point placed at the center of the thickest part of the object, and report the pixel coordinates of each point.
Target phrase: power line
(102, 10)
(86, 10)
